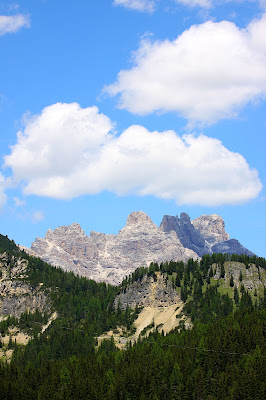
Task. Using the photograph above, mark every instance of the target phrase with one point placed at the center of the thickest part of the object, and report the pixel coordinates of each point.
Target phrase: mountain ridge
(109, 258)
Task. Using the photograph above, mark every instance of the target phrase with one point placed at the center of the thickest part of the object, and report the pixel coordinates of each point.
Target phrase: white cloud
(18, 202)
(12, 23)
(67, 151)
(139, 5)
(212, 3)
(208, 73)
(55, 142)
(150, 5)
(195, 3)
(37, 216)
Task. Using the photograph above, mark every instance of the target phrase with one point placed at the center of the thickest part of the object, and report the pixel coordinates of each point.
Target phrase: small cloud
(37, 216)
(13, 23)
(18, 202)
(139, 5)
(196, 3)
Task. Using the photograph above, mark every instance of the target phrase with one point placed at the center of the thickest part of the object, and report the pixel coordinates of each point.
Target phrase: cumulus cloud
(67, 151)
(208, 73)
(13, 23)
(55, 142)
(139, 5)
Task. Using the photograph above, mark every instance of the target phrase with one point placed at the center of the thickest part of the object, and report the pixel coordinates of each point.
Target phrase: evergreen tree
(222, 275)
(236, 296)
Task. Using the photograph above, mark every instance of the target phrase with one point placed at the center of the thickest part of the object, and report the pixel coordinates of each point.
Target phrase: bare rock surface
(110, 258)
(231, 246)
(212, 228)
(252, 277)
(150, 291)
(16, 295)
(188, 235)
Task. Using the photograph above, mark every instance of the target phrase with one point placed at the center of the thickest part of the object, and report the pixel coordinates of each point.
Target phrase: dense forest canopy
(222, 357)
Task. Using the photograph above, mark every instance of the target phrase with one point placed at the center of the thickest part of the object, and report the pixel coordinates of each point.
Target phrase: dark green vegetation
(222, 357)
(7, 245)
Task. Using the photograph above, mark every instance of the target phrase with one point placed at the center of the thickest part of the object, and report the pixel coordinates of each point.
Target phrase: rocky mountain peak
(138, 218)
(212, 228)
(110, 258)
(73, 228)
(184, 218)
(59, 234)
(188, 235)
(231, 246)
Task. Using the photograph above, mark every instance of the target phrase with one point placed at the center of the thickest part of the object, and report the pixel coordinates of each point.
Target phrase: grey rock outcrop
(151, 291)
(253, 277)
(110, 258)
(188, 235)
(217, 239)
(211, 228)
(231, 246)
(16, 295)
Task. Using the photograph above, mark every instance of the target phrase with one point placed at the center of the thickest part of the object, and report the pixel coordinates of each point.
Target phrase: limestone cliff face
(211, 228)
(151, 291)
(188, 235)
(17, 296)
(110, 258)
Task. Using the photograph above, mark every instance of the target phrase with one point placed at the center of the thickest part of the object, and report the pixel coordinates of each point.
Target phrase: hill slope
(222, 355)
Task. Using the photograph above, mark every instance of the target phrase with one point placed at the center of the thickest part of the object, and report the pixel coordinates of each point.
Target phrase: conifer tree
(222, 275)
(236, 296)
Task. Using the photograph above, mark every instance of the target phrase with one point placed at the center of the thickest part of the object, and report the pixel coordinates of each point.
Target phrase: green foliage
(221, 357)
(209, 305)
(222, 275)
(236, 296)
(147, 328)
(7, 245)
(220, 258)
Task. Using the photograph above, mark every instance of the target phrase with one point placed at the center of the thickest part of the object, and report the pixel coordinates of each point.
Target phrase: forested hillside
(223, 356)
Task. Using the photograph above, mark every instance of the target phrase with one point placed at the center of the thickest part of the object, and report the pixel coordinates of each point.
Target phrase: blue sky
(114, 106)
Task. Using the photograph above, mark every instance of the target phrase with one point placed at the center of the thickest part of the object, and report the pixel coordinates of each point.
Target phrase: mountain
(188, 235)
(231, 246)
(212, 228)
(205, 234)
(110, 258)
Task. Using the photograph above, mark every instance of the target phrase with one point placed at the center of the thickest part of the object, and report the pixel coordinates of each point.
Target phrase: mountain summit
(110, 258)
